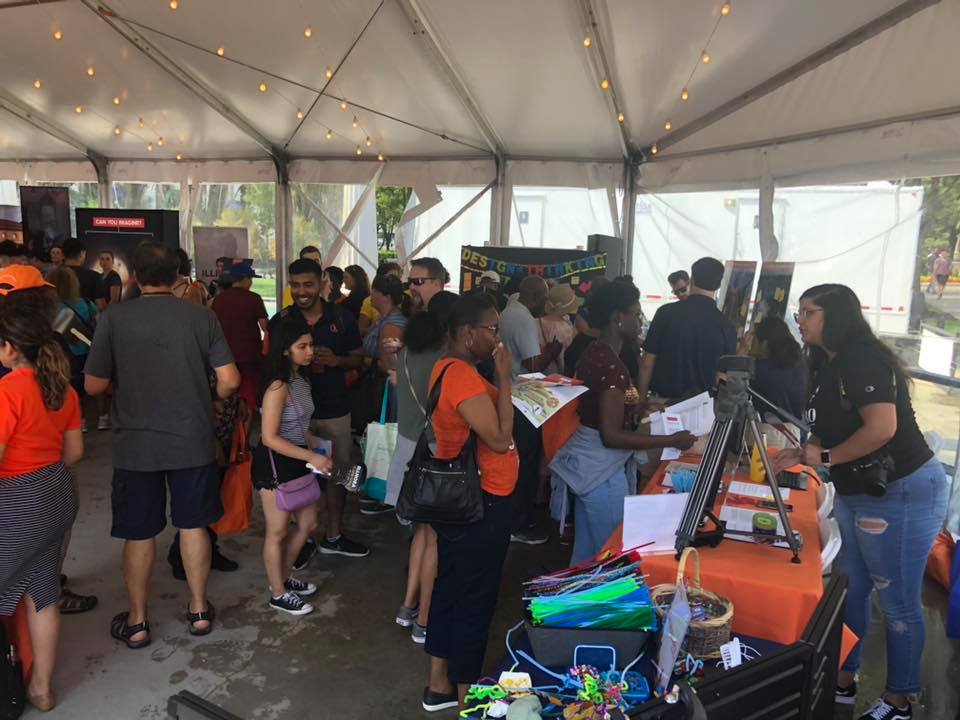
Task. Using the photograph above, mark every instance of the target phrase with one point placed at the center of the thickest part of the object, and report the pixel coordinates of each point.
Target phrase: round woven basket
(704, 637)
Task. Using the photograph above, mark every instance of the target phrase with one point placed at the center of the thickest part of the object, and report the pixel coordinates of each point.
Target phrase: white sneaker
(103, 422)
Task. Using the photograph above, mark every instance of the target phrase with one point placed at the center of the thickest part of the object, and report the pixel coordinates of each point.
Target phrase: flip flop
(194, 617)
(119, 630)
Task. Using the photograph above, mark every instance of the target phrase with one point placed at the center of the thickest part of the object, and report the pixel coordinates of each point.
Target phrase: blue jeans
(886, 541)
(596, 515)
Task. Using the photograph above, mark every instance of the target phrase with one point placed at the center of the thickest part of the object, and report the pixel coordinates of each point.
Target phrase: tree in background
(391, 202)
(940, 222)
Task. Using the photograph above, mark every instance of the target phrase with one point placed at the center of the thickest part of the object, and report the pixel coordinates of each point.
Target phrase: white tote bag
(379, 443)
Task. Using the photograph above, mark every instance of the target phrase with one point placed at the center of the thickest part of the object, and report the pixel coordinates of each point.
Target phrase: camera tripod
(732, 408)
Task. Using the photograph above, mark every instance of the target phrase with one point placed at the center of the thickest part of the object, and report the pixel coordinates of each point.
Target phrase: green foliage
(249, 205)
(391, 202)
(940, 222)
(309, 227)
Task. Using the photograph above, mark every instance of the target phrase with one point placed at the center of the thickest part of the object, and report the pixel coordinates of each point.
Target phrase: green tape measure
(764, 524)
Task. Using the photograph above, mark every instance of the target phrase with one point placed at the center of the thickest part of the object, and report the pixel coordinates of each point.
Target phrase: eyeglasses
(495, 329)
(682, 290)
(805, 313)
(418, 281)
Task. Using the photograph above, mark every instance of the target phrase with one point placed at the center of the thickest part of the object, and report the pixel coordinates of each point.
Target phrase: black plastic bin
(553, 647)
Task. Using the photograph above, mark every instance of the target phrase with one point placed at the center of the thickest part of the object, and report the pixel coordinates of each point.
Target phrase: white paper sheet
(539, 397)
(696, 414)
(757, 490)
(652, 518)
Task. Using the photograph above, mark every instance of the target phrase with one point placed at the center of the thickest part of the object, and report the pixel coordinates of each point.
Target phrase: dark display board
(120, 231)
(736, 292)
(773, 291)
(45, 213)
(577, 268)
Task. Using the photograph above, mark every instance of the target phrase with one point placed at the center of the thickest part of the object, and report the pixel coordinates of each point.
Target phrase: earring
(619, 324)
(469, 343)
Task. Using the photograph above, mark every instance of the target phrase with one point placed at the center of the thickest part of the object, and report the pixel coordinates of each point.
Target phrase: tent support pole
(496, 202)
(629, 214)
(284, 227)
(103, 181)
(506, 207)
(811, 62)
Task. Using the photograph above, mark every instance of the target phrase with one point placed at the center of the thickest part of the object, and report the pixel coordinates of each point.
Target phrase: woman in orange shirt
(470, 557)
(39, 436)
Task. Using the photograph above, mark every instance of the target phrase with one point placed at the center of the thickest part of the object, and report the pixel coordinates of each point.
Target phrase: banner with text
(211, 243)
(576, 268)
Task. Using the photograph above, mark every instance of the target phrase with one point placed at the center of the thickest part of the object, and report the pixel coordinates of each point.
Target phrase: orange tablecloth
(773, 598)
(19, 634)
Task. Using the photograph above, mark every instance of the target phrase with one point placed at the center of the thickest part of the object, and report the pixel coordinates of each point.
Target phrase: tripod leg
(772, 481)
(704, 485)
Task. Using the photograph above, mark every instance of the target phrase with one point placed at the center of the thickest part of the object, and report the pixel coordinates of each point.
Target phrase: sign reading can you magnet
(120, 223)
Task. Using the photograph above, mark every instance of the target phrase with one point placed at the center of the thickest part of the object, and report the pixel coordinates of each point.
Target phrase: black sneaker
(846, 695)
(433, 702)
(343, 546)
(882, 710)
(308, 550)
(222, 563)
(529, 537)
(291, 603)
(375, 508)
(301, 588)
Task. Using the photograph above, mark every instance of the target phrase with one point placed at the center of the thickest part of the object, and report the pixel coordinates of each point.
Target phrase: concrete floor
(346, 660)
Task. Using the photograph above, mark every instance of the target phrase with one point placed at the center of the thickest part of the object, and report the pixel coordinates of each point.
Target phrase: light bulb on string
(308, 31)
(621, 117)
(174, 4)
(328, 73)
(653, 149)
(117, 130)
(343, 104)
(604, 84)
(37, 84)
(221, 50)
(355, 123)
(91, 72)
(587, 42)
(58, 35)
(179, 157)
(78, 109)
(668, 126)
(149, 147)
(299, 114)
(160, 142)
(329, 135)
(263, 87)
(380, 157)
(140, 122)
(684, 95)
(116, 99)
(725, 9)
(705, 58)
(369, 141)
(359, 150)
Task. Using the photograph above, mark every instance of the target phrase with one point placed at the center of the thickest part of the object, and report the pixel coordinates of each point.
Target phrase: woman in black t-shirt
(861, 418)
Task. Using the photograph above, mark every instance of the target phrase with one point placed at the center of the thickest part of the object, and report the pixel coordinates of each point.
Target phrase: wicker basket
(704, 637)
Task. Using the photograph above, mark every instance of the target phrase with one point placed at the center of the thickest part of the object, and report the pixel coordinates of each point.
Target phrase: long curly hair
(30, 333)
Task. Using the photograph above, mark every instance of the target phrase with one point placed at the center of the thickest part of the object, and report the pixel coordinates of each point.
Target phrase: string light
(78, 109)
(263, 87)
(705, 58)
(116, 99)
(174, 4)
(140, 122)
(117, 130)
(37, 84)
(684, 95)
(359, 150)
(355, 123)
(668, 126)
(307, 31)
(58, 35)
(380, 157)
(343, 104)
(221, 51)
(725, 9)
(149, 147)
(160, 142)
(179, 157)
(587, 42)
(299, 114)
(369, 141)
(91, 72)
(604, 84)
(653, 149)
(328, 73)
(329, 135)
(621, 117)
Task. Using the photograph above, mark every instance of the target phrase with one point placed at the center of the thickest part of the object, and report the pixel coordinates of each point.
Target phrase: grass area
(264, 287)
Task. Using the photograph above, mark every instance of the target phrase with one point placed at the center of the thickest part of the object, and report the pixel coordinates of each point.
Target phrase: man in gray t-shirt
(156, 351)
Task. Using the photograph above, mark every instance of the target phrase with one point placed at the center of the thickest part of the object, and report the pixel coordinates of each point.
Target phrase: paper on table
(652, 519)
(756, 490)
(671, 424)
(741, 519)
(696, 414)
(677, 467)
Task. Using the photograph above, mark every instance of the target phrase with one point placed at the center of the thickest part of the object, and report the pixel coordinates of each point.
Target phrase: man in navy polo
(337, 348)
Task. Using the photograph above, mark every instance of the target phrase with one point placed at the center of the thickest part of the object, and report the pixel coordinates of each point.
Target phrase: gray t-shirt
(158, 351)
(520, 334)
(410, 419)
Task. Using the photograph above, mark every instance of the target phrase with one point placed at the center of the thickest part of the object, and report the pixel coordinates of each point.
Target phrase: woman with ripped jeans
(891, 491)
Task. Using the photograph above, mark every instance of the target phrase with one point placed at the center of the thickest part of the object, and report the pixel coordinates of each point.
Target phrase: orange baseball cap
(21, 277)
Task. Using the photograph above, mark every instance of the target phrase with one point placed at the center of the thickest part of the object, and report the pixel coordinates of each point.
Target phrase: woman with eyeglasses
(891, 491)
(470, 557)
(598, 464)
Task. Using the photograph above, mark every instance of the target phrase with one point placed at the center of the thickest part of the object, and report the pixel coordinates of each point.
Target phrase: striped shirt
(297, 411)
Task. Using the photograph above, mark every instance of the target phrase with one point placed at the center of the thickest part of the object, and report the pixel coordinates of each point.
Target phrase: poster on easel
(577, 268)
(45, 213)
(773, 290)
(210, 243)
(736, 291)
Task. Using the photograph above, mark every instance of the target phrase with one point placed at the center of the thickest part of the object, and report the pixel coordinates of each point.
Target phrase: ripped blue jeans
(886, 541)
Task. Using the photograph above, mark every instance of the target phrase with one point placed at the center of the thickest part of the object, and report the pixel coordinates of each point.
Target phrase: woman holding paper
(598, 465)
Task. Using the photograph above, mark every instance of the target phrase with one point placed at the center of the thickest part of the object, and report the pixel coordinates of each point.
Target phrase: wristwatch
(825, 458)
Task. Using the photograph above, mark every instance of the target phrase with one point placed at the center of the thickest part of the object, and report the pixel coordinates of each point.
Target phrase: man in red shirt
(243, 318)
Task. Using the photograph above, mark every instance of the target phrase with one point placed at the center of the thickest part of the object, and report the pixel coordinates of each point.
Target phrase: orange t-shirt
(31, 432)
(498, 471)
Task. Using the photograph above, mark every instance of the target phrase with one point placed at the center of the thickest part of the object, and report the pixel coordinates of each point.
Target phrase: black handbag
(13, 695)
(446, 492)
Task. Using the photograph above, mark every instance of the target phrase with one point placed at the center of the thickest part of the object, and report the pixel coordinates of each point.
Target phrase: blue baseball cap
(240, 270)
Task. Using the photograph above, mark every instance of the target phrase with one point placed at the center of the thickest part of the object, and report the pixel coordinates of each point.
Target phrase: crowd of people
(184, 363)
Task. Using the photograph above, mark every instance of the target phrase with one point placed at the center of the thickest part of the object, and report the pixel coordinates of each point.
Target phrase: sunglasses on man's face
(418, 281)
(682, 290)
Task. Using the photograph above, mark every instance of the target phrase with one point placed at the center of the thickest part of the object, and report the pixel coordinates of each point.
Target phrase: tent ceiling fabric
(524, 65)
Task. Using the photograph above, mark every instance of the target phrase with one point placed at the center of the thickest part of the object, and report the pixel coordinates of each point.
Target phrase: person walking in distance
(156, 351)
(112, 284)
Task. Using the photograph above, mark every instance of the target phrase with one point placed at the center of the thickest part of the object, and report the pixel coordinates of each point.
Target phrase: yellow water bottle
(757, 472)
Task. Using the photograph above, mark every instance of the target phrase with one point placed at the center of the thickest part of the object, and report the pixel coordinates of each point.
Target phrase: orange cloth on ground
(498, 471)
(32, 433)
(772, 597)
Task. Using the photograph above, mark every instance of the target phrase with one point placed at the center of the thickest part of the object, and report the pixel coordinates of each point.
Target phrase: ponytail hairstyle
(427, 330)
(29, 331)
(392, 287)
(782, 349)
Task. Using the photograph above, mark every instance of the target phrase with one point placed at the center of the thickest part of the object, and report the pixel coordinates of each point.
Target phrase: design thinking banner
(577, 268)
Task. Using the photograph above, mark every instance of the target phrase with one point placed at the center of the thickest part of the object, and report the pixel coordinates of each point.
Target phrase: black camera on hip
(873, 473)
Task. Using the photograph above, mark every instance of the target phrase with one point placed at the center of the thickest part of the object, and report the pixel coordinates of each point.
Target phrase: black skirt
(287, 469)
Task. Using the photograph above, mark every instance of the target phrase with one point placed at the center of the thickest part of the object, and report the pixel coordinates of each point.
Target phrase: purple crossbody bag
(301, 491)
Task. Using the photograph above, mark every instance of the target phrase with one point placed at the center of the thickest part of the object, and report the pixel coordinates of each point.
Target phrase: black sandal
(119, 630)
(194, 617)
(72, 603)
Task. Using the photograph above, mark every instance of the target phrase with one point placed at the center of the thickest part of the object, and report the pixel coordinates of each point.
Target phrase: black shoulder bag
(446, 492)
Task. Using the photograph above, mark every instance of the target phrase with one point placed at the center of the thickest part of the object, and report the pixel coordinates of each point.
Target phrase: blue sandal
(119, 630)
(194, 617)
